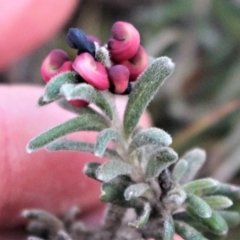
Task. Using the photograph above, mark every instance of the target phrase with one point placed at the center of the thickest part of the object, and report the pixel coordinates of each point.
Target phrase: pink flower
(137, 64)
(119, 77)
(93, 72)
(56, 62)
(125, 41)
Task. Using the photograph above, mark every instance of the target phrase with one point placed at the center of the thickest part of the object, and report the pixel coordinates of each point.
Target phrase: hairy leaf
(195, 159)
(112, 169)
(143, 218)
(82, 123)
(232, 218)
(218, 202)
(201, 185)
(160, 160)
(103, 138)
(73, 145)
(215, 223)
(228, 190)
(150, 136)
(198, 206)
(145, 89)
(168, 228)
(179, 170)
(90, 169)
(52, 89)
(88, 93)
(187, 232)
(136, 190)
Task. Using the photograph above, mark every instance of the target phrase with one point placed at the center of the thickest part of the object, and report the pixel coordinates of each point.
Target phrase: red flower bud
(93, 72)
(78, 103)
(137, 64)
(56, 62)
(125, 41)
(119, 76)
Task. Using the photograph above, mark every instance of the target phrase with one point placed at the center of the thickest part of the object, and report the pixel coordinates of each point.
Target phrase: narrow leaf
(150, 136)
(201, 185)
(187, 232)
(136, 190)
(228, 190)
(218, 202)
(90, 169)
(52, 89)
(232, 218)
(146, 87)
(143, 218)
(72, 145)
(88, 93)
(112, 169)
(179, 170)
(82, 123)
(198, 206)
(215, 223)
(195, 159)
(103, 138)
(168, 228)
(160, 160)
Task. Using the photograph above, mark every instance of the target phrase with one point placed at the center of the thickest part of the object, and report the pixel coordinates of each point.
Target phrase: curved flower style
(91, 71)
(125, 41)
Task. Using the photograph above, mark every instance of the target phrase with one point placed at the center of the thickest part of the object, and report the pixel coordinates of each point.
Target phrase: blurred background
(200, 104)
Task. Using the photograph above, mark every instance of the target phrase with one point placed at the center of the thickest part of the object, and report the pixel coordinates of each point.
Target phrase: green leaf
(215, 223)
(232, 218)
(201, 185)
(136, 190)
(103, 138)
(146, 87)
(179, 170)
(228, 190)
(198, 207)
(175, 197)
(143, 218)
(168, 228)
(160, 160)
(82, 123)
(113, 190)
(72, 145)
(187, 232)
(150, 136)
(90, 169)
(52, 89)
(218, 202)
(195, 159)
(112, 169)
(88, 93)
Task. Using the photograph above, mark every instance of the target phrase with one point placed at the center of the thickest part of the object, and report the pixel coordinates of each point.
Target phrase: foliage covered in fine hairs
(141, 172)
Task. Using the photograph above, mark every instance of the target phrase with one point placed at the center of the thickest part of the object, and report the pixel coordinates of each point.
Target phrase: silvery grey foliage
(137, 172)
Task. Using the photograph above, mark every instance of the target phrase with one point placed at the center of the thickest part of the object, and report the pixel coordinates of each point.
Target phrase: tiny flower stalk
(124, 42)
(91, 71)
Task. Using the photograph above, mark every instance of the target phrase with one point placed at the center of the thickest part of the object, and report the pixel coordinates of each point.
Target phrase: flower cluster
(108, 67)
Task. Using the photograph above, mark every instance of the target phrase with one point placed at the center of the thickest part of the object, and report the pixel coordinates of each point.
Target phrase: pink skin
(119, 76)
(137, 64)
(125, 41)
(78, 103)
(91, 71)
(26, 24)
(56, 62)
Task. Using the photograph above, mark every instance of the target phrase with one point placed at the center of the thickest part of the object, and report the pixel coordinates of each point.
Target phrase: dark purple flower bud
(77, 39)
